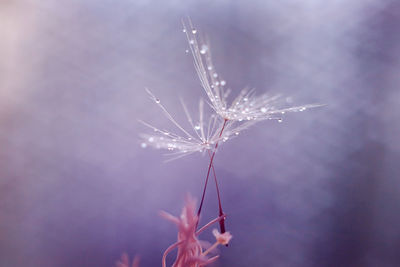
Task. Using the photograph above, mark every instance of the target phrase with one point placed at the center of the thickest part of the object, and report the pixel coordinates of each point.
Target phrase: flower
(190, 250)
(223, 238)
(125, 262)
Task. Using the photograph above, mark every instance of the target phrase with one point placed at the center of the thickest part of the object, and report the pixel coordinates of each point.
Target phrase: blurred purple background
(320, 189)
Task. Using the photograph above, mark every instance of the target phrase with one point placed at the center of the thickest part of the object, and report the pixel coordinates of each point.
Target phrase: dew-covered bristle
(202, 136)
(246, 106)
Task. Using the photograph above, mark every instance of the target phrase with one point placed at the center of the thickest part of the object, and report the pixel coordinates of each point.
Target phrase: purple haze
(319, 189)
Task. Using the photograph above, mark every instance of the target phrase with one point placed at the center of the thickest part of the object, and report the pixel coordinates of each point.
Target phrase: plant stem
(222, 221)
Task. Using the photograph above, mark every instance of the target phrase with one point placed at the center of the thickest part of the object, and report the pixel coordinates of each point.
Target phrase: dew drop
(191, 41)
(283, 112)
(209, 67)
(143, 145)
(280, 120)
(203, 49)
(170, 147)
(263, 110)
(215, 75)
(194, 31)
(223, 82)
(151, 139)
(184, 29)
(197, 127)
(157, 101)
(187, 51)
(237, 133)
(245, 99)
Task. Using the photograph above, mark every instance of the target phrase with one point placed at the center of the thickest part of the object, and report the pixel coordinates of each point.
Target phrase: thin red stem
(222, 221)
(222, 224)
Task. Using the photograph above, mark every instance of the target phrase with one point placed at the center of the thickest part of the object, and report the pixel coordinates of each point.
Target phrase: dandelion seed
(246, 107)
(204, 134)
(244, 111)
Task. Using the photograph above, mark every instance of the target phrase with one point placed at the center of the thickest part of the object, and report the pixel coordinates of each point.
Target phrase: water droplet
(209, 67)
(170, 147)
(245, 99)
(280, 120)
(187, 51)
(217, 83)
(143, 145)
(283, 112)
(194, 31)
(197, 127)
(263, 110)
(302, 109)
(157, 101)
(190, 138)
(225, 139)
(223, 82)
(151, 139)
(215, 75)
(203, 49)
(184, 29)
(191, 41)
(237, 133)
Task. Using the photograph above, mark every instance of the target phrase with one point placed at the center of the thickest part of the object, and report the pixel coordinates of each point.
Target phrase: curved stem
(168, 250)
